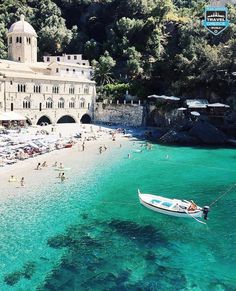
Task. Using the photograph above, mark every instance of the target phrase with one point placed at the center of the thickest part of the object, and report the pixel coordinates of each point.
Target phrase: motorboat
(173, 207)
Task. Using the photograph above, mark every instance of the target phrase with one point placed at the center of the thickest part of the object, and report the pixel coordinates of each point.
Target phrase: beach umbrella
(195, 113)
(11, 115)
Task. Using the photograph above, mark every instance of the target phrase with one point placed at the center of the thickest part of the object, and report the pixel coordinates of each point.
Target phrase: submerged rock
(28, 270)
(12, 278)
(59, 241)
(150, 256)
(84, 215)
(146, 234)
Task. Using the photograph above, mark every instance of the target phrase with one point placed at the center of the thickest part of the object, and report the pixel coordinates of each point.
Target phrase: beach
(68, 157)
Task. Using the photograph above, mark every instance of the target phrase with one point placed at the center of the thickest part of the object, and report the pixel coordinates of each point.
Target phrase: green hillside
(145, 46)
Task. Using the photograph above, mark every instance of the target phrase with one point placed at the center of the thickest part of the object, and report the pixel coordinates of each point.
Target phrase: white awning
(196, 103)
(164, 97)
(219, 105)
(11, 115)
(195, 113)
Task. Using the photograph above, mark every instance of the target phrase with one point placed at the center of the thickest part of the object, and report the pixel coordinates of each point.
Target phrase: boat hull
(171, 212)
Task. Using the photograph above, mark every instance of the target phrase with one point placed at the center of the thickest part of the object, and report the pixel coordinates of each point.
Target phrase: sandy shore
(69, 157)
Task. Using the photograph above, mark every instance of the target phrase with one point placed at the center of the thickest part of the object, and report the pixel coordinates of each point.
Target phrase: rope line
(224, 193)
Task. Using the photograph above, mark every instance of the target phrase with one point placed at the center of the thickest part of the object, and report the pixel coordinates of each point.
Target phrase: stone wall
(123, 114)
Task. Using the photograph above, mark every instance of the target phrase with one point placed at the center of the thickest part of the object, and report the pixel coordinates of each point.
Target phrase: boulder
(206, 133)
(177, 137)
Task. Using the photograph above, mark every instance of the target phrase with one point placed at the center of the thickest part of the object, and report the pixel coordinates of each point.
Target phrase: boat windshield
(167, 204)
(155, 201)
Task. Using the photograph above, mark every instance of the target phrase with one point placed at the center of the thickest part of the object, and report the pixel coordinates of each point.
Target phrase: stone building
(57, 90)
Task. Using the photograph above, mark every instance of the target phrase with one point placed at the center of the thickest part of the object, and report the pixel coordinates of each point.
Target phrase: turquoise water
(92, 234)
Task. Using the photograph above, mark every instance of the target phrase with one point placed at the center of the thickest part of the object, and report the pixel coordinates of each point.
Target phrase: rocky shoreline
(196, 133)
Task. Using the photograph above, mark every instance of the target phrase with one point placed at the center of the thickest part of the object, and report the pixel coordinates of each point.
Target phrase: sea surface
(91, 233)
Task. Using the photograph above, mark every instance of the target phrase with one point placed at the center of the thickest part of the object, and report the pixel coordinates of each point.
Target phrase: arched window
(21, 88)
(20, 39)
(49, 103)
(61, 103)
(17, 39)
(55, 89)
(10, 39)
(86, 90)
(82, 103)
(72, 90)
(26, 104)
(37, 89)
(72, 103)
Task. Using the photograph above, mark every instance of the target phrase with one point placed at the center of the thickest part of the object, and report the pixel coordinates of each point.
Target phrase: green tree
(103, 69)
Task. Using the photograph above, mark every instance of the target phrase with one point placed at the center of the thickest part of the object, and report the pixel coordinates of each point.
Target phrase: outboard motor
(205, 211)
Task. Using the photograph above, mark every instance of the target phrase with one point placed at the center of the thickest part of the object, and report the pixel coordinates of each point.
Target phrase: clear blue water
(92, 234)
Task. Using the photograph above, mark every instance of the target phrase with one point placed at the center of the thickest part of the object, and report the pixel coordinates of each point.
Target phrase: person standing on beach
(100, 150)
(38, 166)
(22, 182)
(63, 177)
(44, 164)
(83, 146)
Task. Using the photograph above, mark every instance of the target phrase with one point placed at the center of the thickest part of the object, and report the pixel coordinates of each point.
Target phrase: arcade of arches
(66, 119)
(45, 119)
(85, 119)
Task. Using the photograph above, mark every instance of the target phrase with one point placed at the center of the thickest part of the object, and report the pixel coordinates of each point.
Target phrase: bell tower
(22, 42)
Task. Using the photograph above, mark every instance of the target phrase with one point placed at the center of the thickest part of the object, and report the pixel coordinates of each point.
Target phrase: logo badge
(216, 19)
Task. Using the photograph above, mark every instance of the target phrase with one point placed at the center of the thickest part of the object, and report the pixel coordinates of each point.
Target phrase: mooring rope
(222, 195)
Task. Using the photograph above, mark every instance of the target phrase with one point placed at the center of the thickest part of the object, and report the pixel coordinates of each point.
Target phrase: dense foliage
(146, 46)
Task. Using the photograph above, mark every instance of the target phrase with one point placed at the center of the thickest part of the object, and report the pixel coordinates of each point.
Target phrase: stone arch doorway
(66, 119)
(44, 120)
(85, 119)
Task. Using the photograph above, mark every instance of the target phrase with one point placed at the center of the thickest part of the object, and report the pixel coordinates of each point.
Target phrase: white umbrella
(11, 115)
(195, 113)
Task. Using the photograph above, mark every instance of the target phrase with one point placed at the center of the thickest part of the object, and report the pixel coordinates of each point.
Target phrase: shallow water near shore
(91, 233)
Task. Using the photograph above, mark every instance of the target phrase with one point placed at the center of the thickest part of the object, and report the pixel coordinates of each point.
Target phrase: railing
(117, 102)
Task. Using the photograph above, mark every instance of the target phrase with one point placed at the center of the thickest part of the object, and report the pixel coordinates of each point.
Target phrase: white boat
(173, 207)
